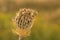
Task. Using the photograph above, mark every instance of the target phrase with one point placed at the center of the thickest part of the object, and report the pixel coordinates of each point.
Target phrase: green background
(45, 27)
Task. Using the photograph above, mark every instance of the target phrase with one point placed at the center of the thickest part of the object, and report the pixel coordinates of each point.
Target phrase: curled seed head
(24, 18)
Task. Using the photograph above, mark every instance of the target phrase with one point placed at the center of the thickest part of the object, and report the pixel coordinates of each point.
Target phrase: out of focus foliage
(46, 25)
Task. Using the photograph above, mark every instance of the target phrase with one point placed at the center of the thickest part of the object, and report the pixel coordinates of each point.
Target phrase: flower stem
(20, 38)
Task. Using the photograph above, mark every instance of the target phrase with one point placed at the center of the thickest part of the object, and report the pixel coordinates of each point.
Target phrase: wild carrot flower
(24, 20)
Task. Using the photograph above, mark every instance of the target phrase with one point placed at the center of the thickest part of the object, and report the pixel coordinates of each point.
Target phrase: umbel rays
(24, 20)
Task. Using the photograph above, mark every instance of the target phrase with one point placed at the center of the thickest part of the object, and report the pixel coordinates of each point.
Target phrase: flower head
(24, 20)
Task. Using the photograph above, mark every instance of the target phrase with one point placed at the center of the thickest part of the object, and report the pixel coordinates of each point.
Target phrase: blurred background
(46, 25)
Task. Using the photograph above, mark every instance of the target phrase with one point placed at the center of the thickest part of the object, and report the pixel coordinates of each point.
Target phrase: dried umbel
(24, 20)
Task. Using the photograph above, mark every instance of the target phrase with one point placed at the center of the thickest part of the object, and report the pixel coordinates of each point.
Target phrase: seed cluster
(24, 18)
